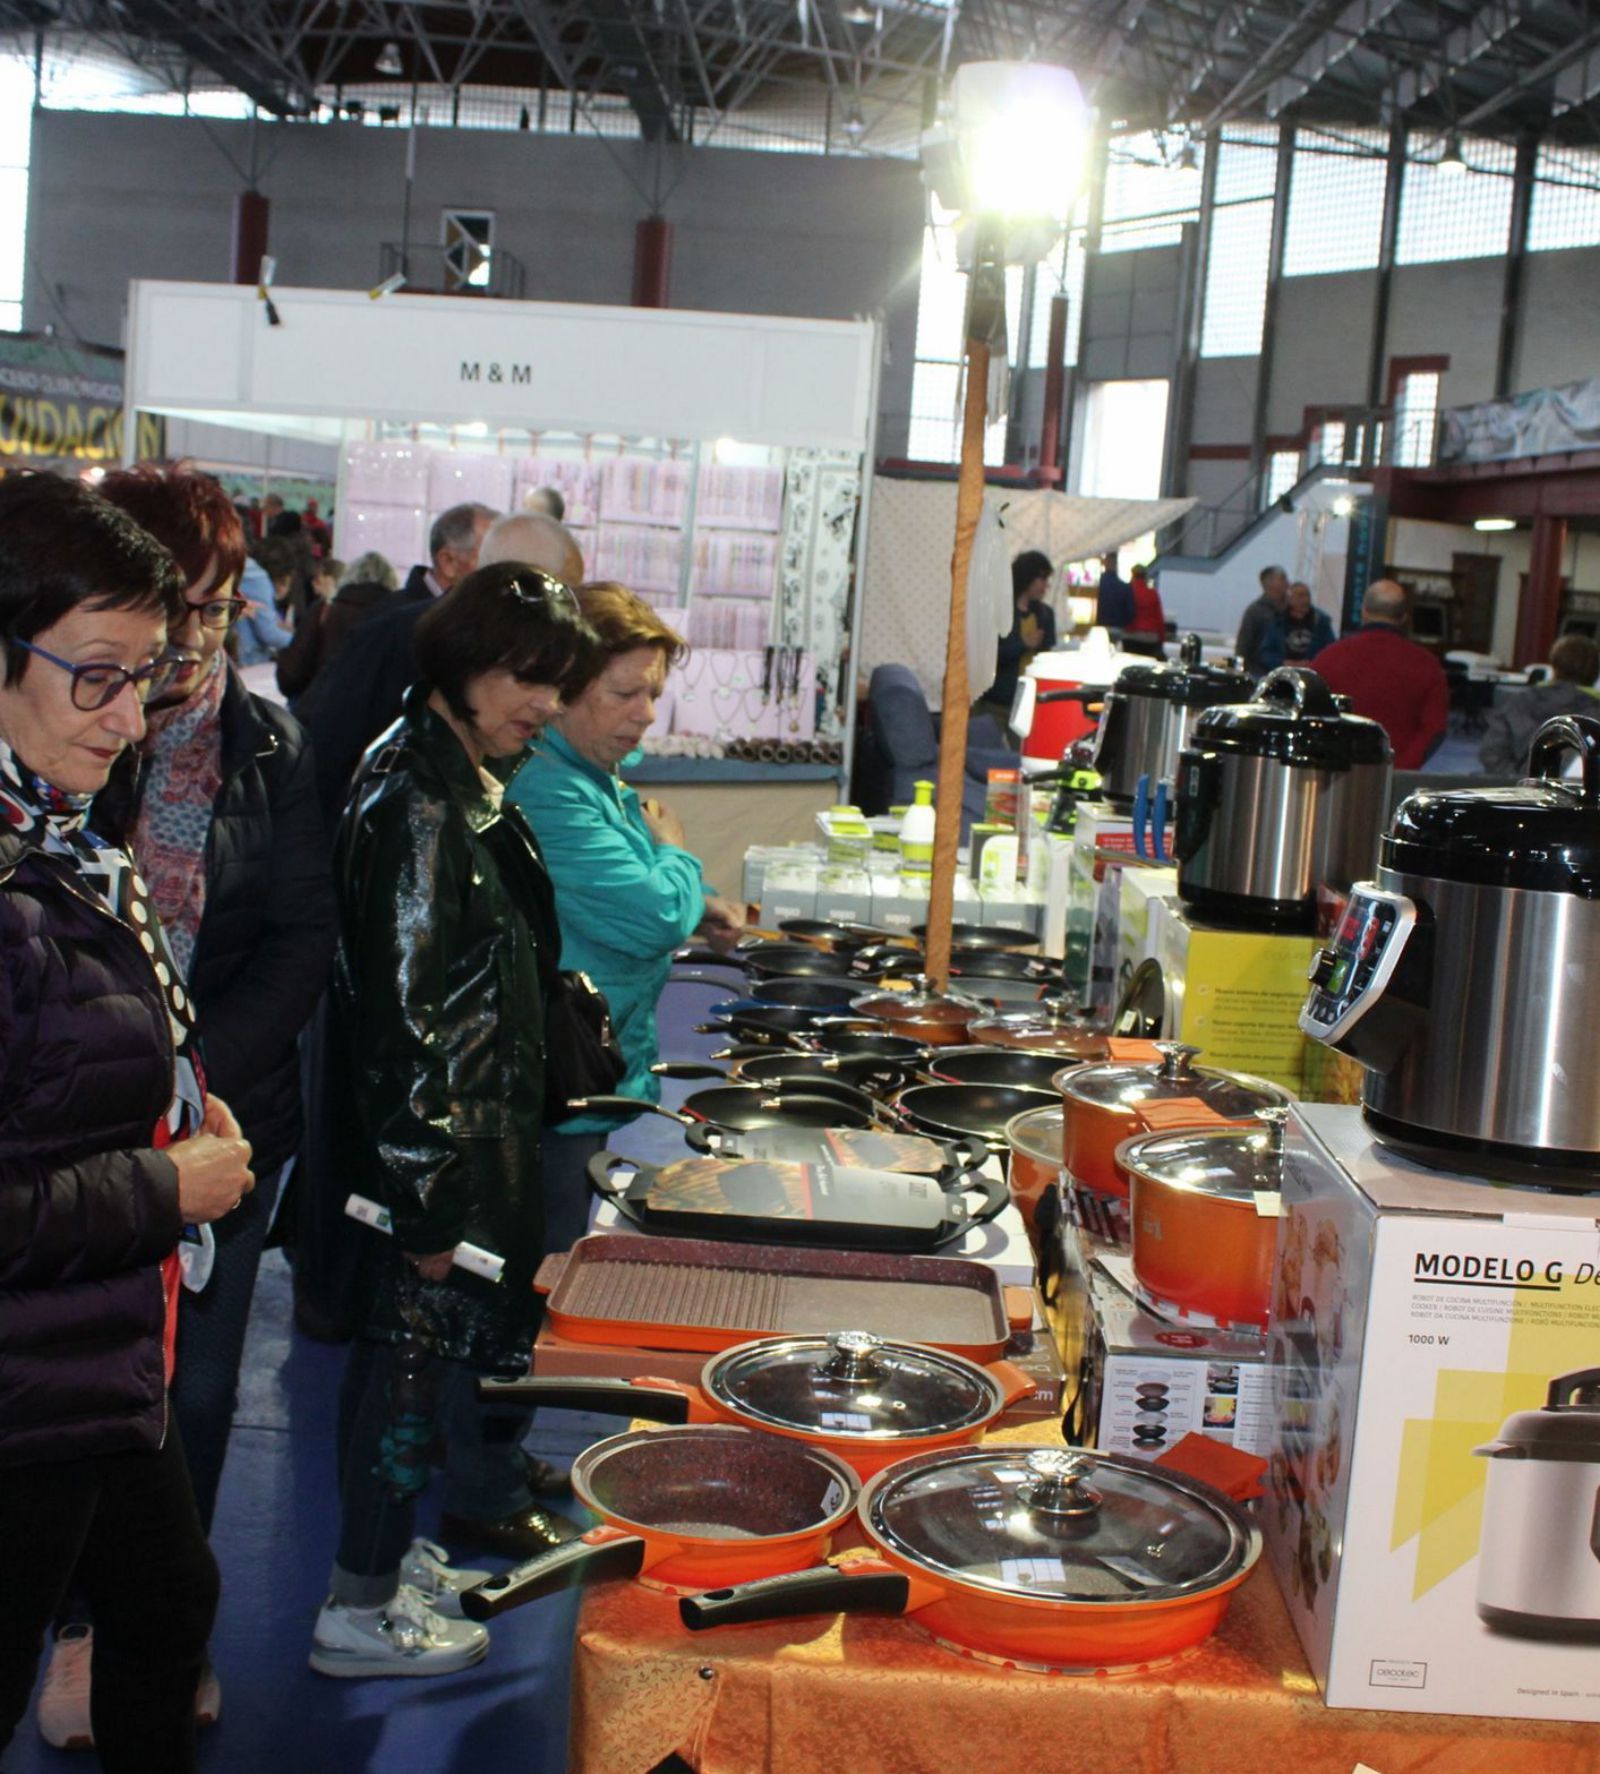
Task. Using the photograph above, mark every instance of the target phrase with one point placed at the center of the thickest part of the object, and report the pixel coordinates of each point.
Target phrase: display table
(864, 1695)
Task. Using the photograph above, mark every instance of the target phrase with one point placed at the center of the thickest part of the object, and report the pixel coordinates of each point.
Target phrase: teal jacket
(624, 902)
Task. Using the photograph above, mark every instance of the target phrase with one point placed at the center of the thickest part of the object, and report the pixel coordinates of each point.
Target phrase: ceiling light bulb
(1494, 523)
(388, 61)
(857, 14)
(1450, 162)
(855, 125)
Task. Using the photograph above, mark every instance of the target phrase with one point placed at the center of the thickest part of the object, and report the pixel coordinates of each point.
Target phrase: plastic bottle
(916, 833)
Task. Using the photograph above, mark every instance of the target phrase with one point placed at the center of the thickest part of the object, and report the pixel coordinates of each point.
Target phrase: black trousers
(124, 1530)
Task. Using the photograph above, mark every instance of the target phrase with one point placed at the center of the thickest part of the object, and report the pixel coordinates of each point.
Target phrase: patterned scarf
(182, 760)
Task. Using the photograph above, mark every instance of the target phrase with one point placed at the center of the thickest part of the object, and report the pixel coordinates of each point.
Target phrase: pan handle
(698, 957)
(547, 1276)
(587, 1560)
(627, 1105)
(825, 1590)
(996, 1196)
(686, 1068)
(599, 1170)
(656, 1403)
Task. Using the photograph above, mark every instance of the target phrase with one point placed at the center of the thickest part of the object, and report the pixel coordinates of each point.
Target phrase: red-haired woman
(218, 805)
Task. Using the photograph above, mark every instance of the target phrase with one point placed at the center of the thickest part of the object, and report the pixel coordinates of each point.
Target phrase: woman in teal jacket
(627, 890)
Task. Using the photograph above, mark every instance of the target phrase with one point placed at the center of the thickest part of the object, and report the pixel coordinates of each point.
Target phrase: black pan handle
(562, 1567)
(996, 1197)
(687, 1068)
(826, 1590)
(693, 957)
(1559, 736)
(611, 1398)
(600, 1168)
(625, 1105)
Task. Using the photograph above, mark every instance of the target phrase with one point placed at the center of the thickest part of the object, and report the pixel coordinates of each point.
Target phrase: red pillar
(251, 212)
(1055, 380)
(652, 262)
(1540, 609)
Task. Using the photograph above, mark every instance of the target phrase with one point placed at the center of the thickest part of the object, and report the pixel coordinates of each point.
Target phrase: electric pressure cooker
(1148, 714)
(1278, 798)
(1466, 978)
(1539, 1567)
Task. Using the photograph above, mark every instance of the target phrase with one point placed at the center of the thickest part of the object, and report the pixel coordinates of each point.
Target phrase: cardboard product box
(788, 893)
(1413, 1313)
(1009, 911)
(1142, 893)
(761, 857)
(846, 901)
(1093, 903)
(1053, 875)
(897, 904)
(1236, 995)
(1149, 1383)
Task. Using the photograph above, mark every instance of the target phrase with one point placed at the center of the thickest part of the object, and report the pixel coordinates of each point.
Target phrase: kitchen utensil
(751, 1020)
(1460, 978)
(856, 1148)
(820, 992)
(1046, 722)
(798, 1202)
(865, 1399)
(1034, 1173)
(933, 1018)
(984, 938)
(1277, 799)
(693, 1293)
(1149, 713)
(688, 1508)
(763, 960)
(1043, 1028)
(740, 1107)
(1203, 1213)
(977, 1111)
(993, 1065)
(768, 1067)
(1539, 1566)
(1042, 1556)
(877, 1043)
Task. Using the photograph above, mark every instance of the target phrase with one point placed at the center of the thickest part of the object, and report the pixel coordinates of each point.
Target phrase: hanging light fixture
(388, 61)
(1450, 162)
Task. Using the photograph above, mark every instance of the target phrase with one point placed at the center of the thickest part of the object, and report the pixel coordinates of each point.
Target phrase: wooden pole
(957, 690)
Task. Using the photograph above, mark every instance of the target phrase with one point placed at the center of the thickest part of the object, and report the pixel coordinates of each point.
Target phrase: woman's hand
(214, 1173)
(664, 825)
(432, 1268)
(723, 924)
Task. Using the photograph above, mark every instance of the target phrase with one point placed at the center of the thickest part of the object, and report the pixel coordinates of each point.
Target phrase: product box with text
(1433, 1506)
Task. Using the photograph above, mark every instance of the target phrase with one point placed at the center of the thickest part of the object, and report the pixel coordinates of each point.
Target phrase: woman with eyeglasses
(448, 945)
(110, 1144)
(216, 800)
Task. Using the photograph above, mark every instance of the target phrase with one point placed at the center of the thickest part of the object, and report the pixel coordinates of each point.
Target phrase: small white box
(1413, 1313)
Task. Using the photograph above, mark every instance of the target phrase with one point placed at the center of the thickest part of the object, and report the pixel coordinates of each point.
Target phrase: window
(1283, 470)
(1454, 214)
(1416, 418)
(1150, 191)
(1241, 244)
(1335, 201)
(1124, 431)
(16, 124)
(1327, 443)
(1566, 200)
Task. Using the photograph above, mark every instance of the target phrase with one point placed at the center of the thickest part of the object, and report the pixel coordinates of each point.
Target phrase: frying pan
(868, 1400)
(936, 1018)
(772, 1024)
(1003, 964)
(1040, 1556)
(877, 1043)
(993, 1065)
(767, 960)
(825, 992)
(863, 1148)
(741, 1107)
(979, 1111)
(983, 936)
(777, 1078)
(687, 1508)
(768, 1067)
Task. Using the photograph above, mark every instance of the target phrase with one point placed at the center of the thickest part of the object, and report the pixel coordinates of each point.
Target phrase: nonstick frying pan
(768, 1068)
(979, 1111)
(983, 936)
(687, 1509)
(773, 1024)
(876, 1043)
(993, 1065)
(825, 992)
(741, 1107)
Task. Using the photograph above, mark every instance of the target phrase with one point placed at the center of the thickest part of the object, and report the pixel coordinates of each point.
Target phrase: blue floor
(274, 1535)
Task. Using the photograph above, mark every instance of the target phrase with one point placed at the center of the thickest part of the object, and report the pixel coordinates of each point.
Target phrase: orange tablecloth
(872, 1696)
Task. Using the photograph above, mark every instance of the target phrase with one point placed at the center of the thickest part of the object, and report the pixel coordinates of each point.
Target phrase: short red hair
(186, 511)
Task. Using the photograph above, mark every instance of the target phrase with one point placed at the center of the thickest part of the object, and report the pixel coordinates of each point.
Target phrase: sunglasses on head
(541, 591)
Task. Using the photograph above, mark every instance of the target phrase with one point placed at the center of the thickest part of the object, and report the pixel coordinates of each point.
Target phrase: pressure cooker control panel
(1350, 974)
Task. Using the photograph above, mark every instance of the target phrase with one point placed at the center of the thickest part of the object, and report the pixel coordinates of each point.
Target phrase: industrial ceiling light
(855, 125)
(1450, 162)
(858, 14)
(388, 61)
(1188, 160)
(1494, 523)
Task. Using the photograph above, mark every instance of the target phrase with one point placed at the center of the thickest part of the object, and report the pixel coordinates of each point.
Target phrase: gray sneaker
(427, 1569)
(404, 1638)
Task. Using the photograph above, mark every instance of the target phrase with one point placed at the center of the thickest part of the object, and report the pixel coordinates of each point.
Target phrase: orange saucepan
(866, 1399)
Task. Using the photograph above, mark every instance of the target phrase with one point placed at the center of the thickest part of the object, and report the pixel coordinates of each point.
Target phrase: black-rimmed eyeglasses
(97, 685)
(219, 612)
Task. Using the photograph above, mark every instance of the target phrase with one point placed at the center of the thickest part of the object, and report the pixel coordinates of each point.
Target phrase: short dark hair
(1267, 573)
(1576, 659)
(1028, 566)
(277, 557)
(507, 617)
(62, 547)
(187, 512)
(457, 526)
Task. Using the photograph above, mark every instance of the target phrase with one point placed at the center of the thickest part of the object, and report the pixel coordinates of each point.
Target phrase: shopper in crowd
(448, 946)
(1298, 632)
(356, 593)
(102, 1161)
(1113, 604)
(546, 500)
(366, 683)
(1389, 677)
(1033, 628)
(1256, 623)
(266, 583)
(1149, 619)
(1575, 661)
(628, 890)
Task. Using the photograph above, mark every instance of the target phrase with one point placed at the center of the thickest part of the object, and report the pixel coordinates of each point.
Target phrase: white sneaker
(405, 1638)
(64, 1699)
(427, 1569)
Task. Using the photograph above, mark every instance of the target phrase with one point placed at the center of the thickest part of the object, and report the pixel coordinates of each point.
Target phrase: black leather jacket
(447, 936)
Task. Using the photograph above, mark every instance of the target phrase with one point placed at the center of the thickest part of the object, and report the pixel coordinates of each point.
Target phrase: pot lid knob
(855, 1360)
(1061, 1484)
(1274, 1118)
(1177, 1058)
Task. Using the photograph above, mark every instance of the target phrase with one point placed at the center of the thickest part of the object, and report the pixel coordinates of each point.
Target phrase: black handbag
(582, 1056)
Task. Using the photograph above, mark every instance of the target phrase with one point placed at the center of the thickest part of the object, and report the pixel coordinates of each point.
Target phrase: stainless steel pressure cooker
(1148, 714)
(1466, 979)
(1539, 1563)
(1278, 798)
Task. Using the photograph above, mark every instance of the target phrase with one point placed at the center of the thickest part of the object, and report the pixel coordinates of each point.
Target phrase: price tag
(1269, 1204)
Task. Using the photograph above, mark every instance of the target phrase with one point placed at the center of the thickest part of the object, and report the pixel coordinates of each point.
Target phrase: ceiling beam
(1580, 50)
(1461, 48)
(1359, 17)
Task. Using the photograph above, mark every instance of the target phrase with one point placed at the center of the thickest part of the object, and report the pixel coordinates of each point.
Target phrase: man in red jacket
(1389, 678)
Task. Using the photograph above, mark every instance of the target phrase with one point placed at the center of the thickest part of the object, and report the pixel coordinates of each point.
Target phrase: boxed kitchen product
(1150, 1383)
(1236, 995)
(788, 890)
(1008, 909)
(1093, 889)
(1433, 1508)
(1142, 892)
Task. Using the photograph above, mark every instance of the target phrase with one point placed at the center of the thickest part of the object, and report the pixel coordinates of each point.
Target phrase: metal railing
(427, 271)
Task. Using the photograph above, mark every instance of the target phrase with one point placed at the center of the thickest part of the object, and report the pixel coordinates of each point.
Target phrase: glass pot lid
(1123, 1086)
(1037, 1133)
(1065, 1524)
(915, 1007)
(1236, 1162)
(852, 1383)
